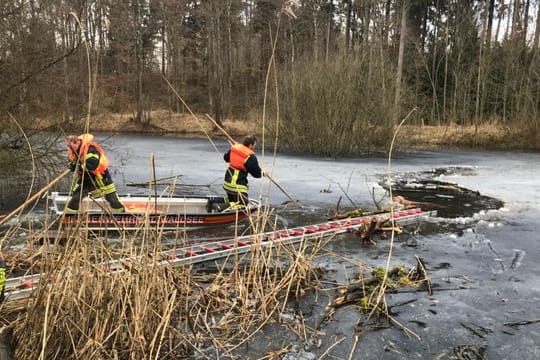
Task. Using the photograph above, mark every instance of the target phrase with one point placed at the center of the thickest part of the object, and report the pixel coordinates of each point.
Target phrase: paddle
(34, 197)
(266, 174)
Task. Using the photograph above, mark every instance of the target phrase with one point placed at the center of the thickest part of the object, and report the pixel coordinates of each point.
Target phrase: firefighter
(88, 160)
(242, 161)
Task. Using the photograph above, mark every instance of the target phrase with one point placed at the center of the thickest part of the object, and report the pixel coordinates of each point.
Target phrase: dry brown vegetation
(488, 136)
(82, 309)
(159, 121)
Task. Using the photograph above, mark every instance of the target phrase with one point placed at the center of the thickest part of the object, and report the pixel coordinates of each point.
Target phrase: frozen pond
(484, 266)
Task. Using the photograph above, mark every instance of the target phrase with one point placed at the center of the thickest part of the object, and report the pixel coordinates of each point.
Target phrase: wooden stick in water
(283, 191)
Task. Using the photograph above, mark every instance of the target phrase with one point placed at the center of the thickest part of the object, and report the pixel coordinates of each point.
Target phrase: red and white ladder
(22, 287)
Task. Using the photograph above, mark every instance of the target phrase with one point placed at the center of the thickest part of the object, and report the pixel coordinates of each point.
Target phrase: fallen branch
(521, 323)
(152, 182)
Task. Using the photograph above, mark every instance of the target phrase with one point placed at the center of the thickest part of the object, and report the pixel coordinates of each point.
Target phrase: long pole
(34, 197)
(222, 129)
(283, 191)
(266, 174)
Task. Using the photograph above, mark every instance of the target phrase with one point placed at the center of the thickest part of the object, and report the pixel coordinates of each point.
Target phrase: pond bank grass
(83, 310)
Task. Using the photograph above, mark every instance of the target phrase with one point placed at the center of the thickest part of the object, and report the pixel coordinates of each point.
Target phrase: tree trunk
(526, 21)
(516, 20)
(537, 30)
(315, 35)
(138, 64)
(399, 72)
(348, 26)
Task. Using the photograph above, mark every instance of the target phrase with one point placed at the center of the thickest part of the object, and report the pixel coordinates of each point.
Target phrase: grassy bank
(487, 136)
(318, 141)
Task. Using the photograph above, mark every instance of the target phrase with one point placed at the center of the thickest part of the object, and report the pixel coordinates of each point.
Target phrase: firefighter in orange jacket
(242, 161)
(88, 159)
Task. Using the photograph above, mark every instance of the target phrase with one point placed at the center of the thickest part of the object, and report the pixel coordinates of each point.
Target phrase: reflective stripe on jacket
(2, 277)
(235, 181)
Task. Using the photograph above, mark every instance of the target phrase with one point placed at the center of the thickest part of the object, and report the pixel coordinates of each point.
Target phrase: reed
(82, 310)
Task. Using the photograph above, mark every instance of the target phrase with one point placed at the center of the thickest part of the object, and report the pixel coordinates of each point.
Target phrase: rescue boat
(163, 212)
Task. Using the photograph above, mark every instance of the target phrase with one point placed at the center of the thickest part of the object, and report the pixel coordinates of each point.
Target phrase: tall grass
(81, 310)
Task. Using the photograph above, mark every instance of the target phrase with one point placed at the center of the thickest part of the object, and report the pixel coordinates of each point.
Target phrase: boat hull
(169, 213)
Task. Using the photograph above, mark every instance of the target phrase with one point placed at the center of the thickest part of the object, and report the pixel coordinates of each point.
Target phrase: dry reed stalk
(146, 312)
(91, 312)
(253, 300)
(378, 302)
(274, 355)
(76, 293)
(331, 347)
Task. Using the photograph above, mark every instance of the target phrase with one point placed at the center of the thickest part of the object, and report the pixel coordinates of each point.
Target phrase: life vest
(86, 142)
(239, 155)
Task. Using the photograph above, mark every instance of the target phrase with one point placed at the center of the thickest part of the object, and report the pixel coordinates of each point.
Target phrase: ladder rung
(28, 284)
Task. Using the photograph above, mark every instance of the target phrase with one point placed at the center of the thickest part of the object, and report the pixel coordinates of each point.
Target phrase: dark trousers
(238, 197)
(103, 186)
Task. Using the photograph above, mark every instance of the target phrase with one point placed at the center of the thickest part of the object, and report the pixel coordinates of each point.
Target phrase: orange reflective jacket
(86, 143)
(239, 155)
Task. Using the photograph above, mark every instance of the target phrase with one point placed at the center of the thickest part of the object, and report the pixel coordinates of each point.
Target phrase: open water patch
(450, 200)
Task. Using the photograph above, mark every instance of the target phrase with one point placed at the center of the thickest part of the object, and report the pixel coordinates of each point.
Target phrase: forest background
(326, 77)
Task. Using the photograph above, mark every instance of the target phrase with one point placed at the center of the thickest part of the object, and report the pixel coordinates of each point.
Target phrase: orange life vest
(86, 142)
(238, 156)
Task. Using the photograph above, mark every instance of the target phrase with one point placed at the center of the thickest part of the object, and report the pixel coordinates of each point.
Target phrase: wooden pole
(34, 197)
(222, 129)
(191, 112)
(266, 174)
(283, 191)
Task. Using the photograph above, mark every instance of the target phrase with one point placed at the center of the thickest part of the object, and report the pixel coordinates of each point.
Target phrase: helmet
(86, 137)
